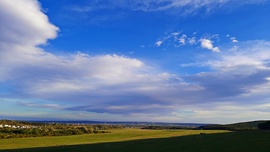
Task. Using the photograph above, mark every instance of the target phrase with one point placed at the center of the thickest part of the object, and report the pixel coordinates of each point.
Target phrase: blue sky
(144, 60)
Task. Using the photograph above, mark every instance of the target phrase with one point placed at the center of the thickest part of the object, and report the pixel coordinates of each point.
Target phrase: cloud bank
(101, 84)
(121, 87)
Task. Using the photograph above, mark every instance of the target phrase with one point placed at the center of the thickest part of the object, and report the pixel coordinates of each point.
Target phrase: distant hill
(251, 125)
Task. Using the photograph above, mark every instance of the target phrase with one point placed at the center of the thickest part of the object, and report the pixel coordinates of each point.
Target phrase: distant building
(7, 126)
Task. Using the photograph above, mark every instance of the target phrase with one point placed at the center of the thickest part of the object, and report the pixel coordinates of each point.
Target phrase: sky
(199, 61)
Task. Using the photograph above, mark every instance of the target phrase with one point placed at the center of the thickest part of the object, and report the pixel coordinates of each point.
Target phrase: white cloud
(158, 43)
(175, 33)
(228, 112)
(26, 26)
(119, 86)
(215, 49)
(251, 54)
(233, 49)
(182, 39)
(176, 40)
(192, 41)
(238, 77)
(208, 44)
(234, 40)
(78, 80)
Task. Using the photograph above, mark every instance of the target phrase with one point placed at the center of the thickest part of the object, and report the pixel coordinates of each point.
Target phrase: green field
(137, 140)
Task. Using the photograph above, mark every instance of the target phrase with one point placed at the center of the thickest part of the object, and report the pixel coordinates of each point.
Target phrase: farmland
(144, 141)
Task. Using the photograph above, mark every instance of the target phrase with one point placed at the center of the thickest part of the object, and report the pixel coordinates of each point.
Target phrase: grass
(135, 140)
(115, 135)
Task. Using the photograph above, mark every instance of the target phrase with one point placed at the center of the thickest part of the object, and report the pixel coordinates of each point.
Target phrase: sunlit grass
(115, 135)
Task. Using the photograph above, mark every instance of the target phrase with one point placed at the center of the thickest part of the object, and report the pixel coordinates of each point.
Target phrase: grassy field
(136, 140)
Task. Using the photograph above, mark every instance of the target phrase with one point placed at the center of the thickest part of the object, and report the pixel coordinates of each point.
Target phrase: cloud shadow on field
(250, 141)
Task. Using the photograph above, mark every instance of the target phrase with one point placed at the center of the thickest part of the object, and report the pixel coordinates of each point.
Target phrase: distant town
(16, 127)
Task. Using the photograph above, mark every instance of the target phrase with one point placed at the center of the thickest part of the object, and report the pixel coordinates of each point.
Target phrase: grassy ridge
(115, 135)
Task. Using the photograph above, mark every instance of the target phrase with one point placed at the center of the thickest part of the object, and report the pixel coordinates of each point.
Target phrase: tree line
(52, 129)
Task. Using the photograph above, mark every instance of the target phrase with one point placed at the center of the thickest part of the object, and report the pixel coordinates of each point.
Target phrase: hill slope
(251, 125)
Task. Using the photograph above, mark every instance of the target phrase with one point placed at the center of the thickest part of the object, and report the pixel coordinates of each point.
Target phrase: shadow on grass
(250, 141)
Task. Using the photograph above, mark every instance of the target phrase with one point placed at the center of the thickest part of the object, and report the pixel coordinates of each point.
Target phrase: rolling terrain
(244, 136)
(136, 140)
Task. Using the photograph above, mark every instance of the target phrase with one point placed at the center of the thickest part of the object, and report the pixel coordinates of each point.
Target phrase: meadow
(138, 140)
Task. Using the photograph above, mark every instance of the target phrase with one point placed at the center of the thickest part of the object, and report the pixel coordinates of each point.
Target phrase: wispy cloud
(37, 105)
(234, 40)
(192, 41)
(237, 73)
(185, 7)
(182, 39)
(81, 9)
(178, 39)
(158, 43)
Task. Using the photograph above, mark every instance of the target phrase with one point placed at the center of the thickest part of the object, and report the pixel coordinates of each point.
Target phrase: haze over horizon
(196, 61)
